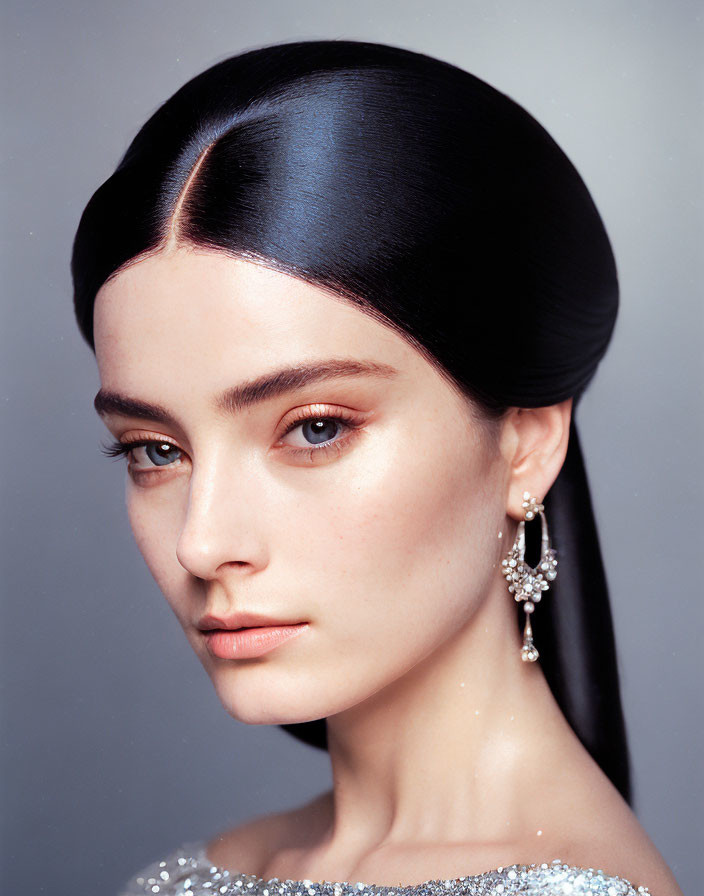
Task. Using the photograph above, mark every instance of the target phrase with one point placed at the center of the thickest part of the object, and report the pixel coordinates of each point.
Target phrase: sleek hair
(438, 204)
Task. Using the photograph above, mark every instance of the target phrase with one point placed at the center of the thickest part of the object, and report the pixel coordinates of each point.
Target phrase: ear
(534, 443)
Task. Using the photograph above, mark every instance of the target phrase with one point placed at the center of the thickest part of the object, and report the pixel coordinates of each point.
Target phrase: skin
(449, 755)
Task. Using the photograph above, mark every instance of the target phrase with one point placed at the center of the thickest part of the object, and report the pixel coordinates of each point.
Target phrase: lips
(242, 620)
(246, 643)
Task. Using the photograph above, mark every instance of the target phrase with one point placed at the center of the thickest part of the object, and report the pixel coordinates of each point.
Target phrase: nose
(221, 528)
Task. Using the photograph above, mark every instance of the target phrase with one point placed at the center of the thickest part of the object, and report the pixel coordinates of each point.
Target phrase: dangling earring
(524, 582)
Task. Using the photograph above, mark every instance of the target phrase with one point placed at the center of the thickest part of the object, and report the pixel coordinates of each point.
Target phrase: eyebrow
(237, 398)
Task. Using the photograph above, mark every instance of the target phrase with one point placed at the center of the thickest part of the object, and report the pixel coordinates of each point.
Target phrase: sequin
(188, 872)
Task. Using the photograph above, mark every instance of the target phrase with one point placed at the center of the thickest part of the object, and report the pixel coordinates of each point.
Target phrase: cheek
(155, 526)
(405, 552)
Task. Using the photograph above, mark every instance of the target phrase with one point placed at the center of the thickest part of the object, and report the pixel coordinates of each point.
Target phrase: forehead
(204, 308)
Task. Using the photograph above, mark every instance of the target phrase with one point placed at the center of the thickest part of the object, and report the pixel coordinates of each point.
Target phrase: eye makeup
(344, 420)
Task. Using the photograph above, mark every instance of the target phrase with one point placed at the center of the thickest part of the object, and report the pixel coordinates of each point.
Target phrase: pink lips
(246, 643)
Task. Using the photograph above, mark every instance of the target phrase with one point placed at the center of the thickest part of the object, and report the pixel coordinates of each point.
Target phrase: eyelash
(122, 449)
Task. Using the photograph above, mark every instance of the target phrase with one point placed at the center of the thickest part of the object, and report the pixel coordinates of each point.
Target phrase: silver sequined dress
(187, 871)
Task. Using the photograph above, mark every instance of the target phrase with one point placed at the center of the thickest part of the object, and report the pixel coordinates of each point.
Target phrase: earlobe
(541, 438)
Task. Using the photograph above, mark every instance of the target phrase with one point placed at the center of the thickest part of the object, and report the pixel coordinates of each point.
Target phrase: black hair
(426, 196)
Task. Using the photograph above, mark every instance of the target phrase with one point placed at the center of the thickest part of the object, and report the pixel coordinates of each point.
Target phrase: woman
(344, 299)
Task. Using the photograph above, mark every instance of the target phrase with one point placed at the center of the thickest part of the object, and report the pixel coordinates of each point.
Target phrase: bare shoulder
(593, 827)
(603, 832)
(242, 848)
(249, 846)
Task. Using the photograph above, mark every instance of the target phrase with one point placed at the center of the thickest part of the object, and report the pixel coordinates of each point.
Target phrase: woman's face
(374, 523)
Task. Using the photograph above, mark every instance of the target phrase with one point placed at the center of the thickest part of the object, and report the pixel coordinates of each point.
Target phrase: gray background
(115, 747)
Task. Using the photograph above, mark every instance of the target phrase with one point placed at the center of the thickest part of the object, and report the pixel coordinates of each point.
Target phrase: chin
(266, 714)
(276, 701)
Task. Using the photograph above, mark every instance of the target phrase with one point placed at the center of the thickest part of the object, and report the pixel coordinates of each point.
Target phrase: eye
(318, 432)
(319, 435)
(146, 453)
(160, 454)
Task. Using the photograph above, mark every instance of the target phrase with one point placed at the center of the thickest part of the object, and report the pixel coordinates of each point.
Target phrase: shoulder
(248, 846)
(245, 847)
(630, 855)
(600, 831)
(165, 874)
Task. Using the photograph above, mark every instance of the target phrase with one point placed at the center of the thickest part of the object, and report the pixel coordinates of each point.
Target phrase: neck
(454, 751)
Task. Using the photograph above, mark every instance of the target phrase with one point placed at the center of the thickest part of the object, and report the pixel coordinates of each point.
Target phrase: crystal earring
(525, 582)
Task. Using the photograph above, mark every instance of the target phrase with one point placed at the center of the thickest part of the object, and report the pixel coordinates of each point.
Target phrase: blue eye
(319, 429)
(158, 454)
(322, 432)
